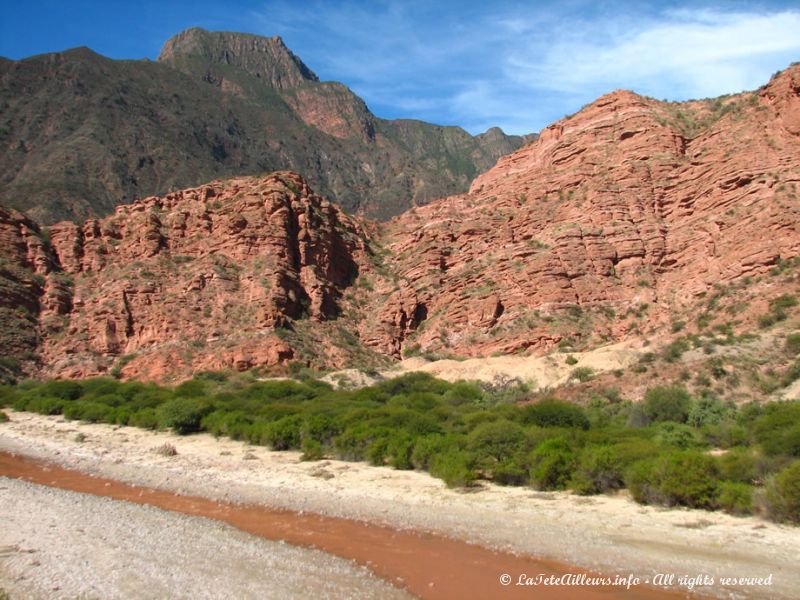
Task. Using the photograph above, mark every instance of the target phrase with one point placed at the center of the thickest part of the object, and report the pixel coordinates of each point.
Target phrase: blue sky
(518, 65)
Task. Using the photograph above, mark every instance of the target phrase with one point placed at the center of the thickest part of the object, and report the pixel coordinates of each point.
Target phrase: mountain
(633, 219)
(616, 223)
(81, 133)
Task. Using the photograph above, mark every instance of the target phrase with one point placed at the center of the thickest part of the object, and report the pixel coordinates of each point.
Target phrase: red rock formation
(613, 222)
(630, 208)
(198, 279)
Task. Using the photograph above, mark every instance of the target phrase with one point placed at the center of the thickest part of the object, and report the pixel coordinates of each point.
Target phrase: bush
(736, 498)
(45, 406)
(707, 410)
(3, 417)
(582, 374)
(676, 435)
(555, 413)
(398, 451)
(677, 478)
(454, 467)
(599, 470)
(670, 403)
(166, 449)
(94, 412)
(513, 471)
(183, 415)
(552, 464)
(63, 389)
(312, 450)
(793, 343)
(145, 418)
(673, 352)
(284, 434)
(427, 447)
(778, 429)
(495, 442)
(783, 494)
(738, 466)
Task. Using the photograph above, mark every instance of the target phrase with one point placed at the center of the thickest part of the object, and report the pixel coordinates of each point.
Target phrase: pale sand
(539, 372)
(606, 534)
(57, 544)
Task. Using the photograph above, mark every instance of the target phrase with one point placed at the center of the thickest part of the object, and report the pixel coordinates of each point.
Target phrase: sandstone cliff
(620, 222)
(614, 222)
(198, 279)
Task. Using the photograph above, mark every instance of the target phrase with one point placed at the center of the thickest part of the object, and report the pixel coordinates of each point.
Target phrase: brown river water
(429, 566)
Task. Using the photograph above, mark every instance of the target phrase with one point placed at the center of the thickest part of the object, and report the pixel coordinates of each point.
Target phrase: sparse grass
(166, 450)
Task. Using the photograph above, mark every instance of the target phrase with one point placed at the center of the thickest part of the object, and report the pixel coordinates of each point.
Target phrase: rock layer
(613, 221)
(198, 279)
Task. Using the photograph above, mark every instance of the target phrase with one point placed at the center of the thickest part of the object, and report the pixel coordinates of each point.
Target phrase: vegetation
(465, 432)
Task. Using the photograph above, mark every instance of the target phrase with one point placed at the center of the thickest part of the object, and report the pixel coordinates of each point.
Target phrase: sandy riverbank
(606, 534)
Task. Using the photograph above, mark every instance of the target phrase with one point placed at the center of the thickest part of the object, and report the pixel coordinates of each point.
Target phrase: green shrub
(707, 410)
(454, 467)
(738, 465)
(45, 406)
(673, 352)
(793, 343)
(676, 478)
(552, 464)
(582, 374)
(312, 450)
(727, 434)
(84, 410)
(398, 451)
(555, 413)
(778, 429)
(427, 447)
(513, 471)
(676, 435)
(783, 494)
(463, 392)
(3, 417)
(571, 360)
(145, 418)
(783, 302)
(736, 498)
(599, 470)
(667, 403)
(183, 415)
(63, 389)
(495, 442)
(284, 434)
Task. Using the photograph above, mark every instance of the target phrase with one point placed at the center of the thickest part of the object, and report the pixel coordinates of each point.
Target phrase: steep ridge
(613, 222)
(197, 279)
(81, 133)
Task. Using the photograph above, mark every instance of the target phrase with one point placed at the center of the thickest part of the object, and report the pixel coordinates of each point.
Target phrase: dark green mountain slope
(80, 133)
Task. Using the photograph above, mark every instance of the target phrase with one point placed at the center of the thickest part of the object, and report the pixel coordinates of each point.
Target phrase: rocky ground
(58, 544)
(603, 533)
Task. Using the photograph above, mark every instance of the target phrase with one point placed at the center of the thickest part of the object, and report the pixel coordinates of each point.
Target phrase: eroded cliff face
(198, 279)
(616, 221)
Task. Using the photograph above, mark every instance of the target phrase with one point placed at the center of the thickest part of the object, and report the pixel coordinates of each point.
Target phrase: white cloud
(522, 67)
(683, 54)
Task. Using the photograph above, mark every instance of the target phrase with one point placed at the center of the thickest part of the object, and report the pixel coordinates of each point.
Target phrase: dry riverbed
(60, 544)
(605, 534)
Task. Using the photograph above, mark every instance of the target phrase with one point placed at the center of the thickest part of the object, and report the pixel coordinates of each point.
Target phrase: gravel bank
(56, 544)
(605, 534)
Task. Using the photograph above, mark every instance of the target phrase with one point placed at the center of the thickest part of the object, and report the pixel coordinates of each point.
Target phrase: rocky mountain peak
(266, 58)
